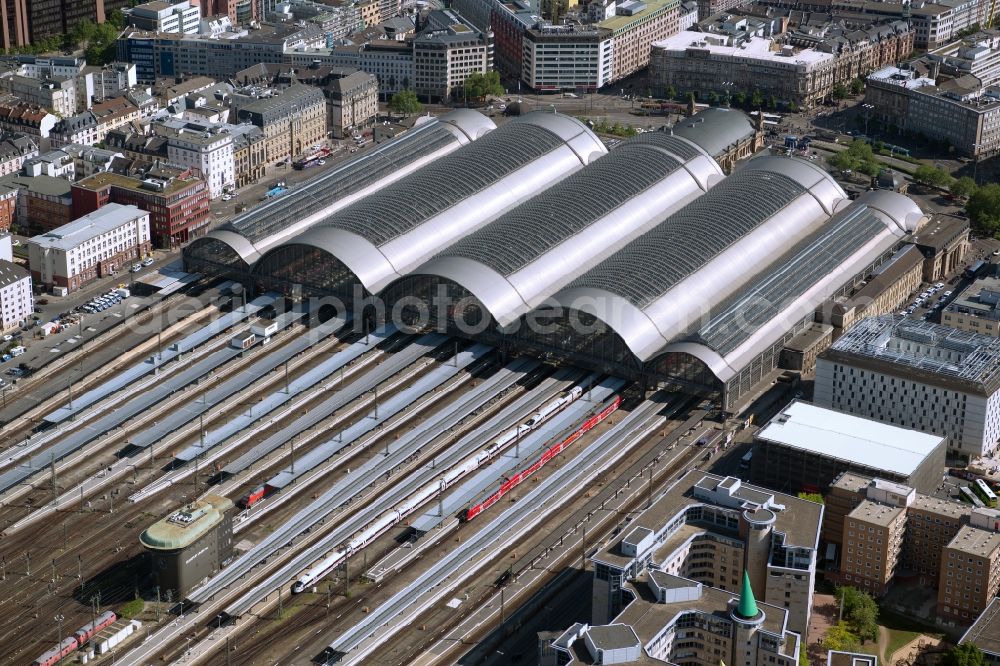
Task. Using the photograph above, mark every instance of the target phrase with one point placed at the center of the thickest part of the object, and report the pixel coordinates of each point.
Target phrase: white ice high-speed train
(391, 517)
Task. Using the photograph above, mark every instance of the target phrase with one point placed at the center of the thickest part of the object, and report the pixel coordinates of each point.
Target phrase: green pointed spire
(748, 605)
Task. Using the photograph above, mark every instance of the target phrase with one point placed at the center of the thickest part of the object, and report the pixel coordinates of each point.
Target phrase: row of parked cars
(925, 295)
(105, 301)
(148, 261)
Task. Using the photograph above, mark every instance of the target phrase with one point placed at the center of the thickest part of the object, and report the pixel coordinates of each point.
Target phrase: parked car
(136, 268)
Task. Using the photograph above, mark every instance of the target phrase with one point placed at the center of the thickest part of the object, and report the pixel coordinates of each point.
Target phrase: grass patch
(902, 630)
(131, 608)
(897, 639)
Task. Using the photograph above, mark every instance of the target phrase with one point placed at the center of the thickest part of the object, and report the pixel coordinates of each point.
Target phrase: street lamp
(868, 109)
(728, 85)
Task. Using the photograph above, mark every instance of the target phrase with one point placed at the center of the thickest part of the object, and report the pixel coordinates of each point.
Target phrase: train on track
(396, 514)
(254, 496)
(550, 453)
(77, 640)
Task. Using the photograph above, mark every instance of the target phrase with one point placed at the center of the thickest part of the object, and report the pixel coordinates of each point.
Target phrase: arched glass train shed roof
(789, 290)
(241, 241)
(512, 264)
(387, 234)
(652, 290)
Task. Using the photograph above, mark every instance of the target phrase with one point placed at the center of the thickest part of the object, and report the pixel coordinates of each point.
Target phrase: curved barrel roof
(716, 129)
(276, 220)
(512, 264)
(186, 525)
(777, 299)
(387, 234)
(654, 288)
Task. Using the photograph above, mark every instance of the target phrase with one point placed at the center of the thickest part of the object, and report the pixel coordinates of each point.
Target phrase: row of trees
(982, 203)
(97, 40)
(756, 100)
(859, 156)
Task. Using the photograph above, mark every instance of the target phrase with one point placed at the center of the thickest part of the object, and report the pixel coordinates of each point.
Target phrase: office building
(913, 102)
(975, 309)
(16, 300)
(712, 530)
(190, 544)
(165, 16)
(206, 149)
(567, 57)
(917, 375)
(57, 95)
(753, 54)
(985, 633)
(446, 53)
(292, 119)
(805, 447)
(177, 201)
(24, 22)
(102, 243)
(249, 153)
(352, 103)
(165, 55)
(42, 202)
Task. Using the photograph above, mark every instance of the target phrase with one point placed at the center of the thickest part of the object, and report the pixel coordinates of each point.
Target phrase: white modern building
(917, 375)
(208, 148)
(807, 447)
(16, 301)
(100, 244)
(567, 58)
(170, 17)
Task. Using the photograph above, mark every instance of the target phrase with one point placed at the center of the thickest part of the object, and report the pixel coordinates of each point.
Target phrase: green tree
(839, 92)
(803, 654)
(857, 86)
(966, 654)
(741, 99)
(117, 18)
(671, 93)
(983, 208)
(793, 107)
(840, 637)
(963, 187)
(713, 98)
(481, 85)
(932, 176)
(756, 100)
(812, 497)
(860, 611)
(406, 103)
(772, 102)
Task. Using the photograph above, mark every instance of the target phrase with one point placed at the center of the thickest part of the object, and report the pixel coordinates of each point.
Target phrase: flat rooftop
(647, 617)
(854, 439)
(757, 48)
(975, 541)
(985, 631)
(100, 180)
(838, 658)
(799, 519)
(92, 225)
(875, 513)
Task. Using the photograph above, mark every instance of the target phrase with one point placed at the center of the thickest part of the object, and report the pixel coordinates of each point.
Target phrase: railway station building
(190, 544)
(646, 261)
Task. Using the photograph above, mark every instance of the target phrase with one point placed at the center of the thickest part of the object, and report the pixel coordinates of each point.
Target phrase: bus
(968, 496)
(984, 492)
(745, 460)
(975, 270)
